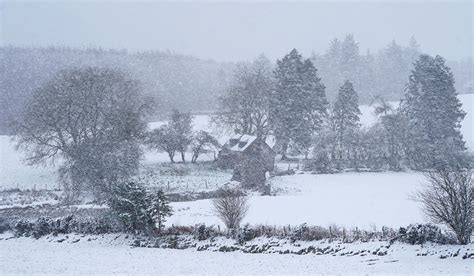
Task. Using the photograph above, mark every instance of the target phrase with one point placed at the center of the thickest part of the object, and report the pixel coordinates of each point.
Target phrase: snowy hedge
(413, 234)
(65, 225)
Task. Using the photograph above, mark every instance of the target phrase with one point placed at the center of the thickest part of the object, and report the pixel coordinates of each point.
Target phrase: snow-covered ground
(108, 255)
(348, 199)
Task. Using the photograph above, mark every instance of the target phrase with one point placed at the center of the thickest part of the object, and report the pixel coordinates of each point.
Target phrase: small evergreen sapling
(129, 202)
(139, 210)
(159, 209)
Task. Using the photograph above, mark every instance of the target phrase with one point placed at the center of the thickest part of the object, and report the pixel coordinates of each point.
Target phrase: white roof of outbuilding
(244, 142)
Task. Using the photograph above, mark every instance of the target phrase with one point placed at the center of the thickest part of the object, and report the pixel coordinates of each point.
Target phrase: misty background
(185, 53)
(239, 31)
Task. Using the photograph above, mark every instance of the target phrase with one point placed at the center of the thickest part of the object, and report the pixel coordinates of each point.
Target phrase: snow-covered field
(349, 199)
(108, 255)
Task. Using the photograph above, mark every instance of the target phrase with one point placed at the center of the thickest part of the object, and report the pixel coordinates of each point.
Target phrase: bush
(63, 225)
(96, 225)
(321, 164)
(305, 233)
(139, 210)
(231, 208)
(247, 233)
(449, 199)
(42, 227)
(422, 233)
(23, 228)
(202, 232)
(178, 230)
(4, 226)
(103, 224)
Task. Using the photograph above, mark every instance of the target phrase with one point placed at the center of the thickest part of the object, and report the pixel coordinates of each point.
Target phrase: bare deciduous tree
(202, 142)
(245, 106)
(92, 119)
(182, 125)
(164, 138)
(449, 199)
(175, 136)
(231, 207)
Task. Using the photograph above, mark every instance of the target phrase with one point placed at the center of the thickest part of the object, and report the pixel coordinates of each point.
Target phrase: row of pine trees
(289, 102)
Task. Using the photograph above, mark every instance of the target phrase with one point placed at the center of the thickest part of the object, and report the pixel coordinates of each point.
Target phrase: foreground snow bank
(110, 254)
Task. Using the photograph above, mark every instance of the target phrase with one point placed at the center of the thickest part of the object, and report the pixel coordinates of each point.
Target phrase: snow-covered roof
(235, 137)
(244, 141)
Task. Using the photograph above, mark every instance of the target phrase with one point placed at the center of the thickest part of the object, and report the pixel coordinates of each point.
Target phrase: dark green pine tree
(298, 103)
(345, 118)
(159, 208)
(434, 115)
(129, 202)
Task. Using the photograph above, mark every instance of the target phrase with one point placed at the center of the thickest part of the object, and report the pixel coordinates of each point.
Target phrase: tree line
(93, 121)
(290, 103)
(192, 84)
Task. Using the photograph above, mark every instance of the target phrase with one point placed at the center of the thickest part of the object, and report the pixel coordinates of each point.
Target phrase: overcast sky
(239, 31)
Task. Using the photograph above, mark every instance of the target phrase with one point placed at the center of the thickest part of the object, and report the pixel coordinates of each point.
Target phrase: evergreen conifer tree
(159, 209)
(345, 118)
(434, 115)
(298, 103)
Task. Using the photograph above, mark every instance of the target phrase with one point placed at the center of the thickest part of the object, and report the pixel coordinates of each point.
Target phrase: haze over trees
(170, 80)
(192, 84)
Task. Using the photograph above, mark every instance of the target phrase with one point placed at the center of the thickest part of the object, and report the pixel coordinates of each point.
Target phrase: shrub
(102, 224)
(422, 233)
(305, 233)
(231, 208)
(247, 233)
(139, 210)
(23, 228)
(202, 232)
(178, 230)
(63, 225)
(449, 199)
(4, 225)
(42, 227)
(321, 164)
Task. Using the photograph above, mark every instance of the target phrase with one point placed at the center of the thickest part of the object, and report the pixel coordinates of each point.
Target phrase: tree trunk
(182, 157)
(171, 155)
(284, 149)
(194, 157)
